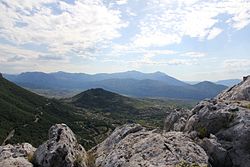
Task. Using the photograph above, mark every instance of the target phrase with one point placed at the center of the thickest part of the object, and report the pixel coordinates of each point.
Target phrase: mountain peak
(133, 71)
(159, 73)
(205, 82)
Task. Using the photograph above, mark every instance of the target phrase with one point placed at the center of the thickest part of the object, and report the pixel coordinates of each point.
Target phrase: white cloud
(237, 65)
(241, 19)
(167, 22)
(120, 50)
(174, 62)
(9, 50)
(121, 2)
(158, 39)
(18, 56)
(194, 54)
(214, 32)
(69, 28)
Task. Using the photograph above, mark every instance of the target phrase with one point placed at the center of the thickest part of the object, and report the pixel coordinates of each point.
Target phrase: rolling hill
(132, 83)
(92, 114)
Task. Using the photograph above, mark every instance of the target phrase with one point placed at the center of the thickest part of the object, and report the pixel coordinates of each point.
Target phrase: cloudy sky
(187, 39)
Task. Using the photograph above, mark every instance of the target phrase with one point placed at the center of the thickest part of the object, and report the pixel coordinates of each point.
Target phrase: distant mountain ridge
(132, 83)
(228, 82)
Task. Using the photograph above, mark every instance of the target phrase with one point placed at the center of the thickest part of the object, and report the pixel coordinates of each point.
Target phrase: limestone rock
(15, 162)
(61, 150)
(237, 92)
(218, 155)
(16, 155)
(230, 123)
(176, 120)
(211, 118)
(133, 146)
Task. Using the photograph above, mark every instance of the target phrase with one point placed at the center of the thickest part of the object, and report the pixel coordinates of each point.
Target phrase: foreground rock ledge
(16, 155)
(128, 146)
(133, 146)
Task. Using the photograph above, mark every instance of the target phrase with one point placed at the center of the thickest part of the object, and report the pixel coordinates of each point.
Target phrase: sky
(187, 39)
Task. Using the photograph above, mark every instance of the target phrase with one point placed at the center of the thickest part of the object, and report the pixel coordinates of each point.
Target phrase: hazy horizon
(191, 40)
(240, 78)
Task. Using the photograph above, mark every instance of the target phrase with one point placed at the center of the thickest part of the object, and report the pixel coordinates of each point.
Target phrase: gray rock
(211, 118)
(61, 150)
(133, 146)
(176, 121)
(237, 92)
(225, 118)
(16, 155)
(218, 155)
(15, 162)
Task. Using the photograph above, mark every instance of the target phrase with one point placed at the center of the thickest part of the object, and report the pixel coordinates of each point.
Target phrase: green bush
(202, 132)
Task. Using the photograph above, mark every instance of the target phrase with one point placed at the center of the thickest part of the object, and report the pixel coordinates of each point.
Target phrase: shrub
(30, 157)
(202, 132)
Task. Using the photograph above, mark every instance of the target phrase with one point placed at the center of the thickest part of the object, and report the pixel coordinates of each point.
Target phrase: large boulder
(176, 120)
(231, 125)
(18, 155)
(218, 155)
(240, 91)
(133, 146)
(228, 118)
(209, 116)
(61, 150)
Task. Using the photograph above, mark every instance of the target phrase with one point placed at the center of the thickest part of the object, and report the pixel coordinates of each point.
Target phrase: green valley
(92, 114)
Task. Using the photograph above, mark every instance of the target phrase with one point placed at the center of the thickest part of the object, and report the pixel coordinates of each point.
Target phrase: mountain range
(92, 114)
(131, 83)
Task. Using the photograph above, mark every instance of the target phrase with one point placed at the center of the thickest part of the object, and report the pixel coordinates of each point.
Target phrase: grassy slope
(19, 108)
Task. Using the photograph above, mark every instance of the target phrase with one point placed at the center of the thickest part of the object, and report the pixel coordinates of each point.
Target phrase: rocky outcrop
(230, 124)
(237, 92)
(176, 121)
(218, 155)
(130, 145)
(18, 155)
(209, 116)
(227, 119)
(61, 150)
(133, 146)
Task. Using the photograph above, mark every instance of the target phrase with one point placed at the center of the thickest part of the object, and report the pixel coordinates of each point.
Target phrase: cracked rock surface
(61, 150)
(133, 146)
(16, 155)
(227, 119)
